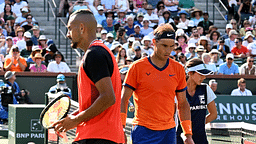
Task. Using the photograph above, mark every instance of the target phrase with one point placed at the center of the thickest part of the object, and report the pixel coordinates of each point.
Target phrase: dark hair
(29, 43)
(10, 9)
(118, 57)
(82, 11)
(194, 62)
(29, 15)
(163, 28)
(240, 39)
(211, 34)
(157, 6)
(58, 53)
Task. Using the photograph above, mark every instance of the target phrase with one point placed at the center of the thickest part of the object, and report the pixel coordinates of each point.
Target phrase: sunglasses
(15, 50)
(233, 23)
(29, 18)
(230, 59)
(192, 48)
(161, 6)
(251, 61)
(237, 42)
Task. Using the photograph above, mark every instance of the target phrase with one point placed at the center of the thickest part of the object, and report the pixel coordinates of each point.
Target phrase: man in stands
(248, 68)
(239, 50)
(17, 6)
(214, 85)
(229, 67)
(241, 90)
(36, 34)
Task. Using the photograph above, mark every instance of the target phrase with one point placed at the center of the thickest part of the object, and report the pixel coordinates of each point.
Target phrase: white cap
(191, 45)
(191, 23)
(137, 26)
(203, 38)
(182, 26)
(104, 31)
(212, 81)
(100, 7)
(179, 32)
(24, 9)
(131, 39)
(145, 38)
(229, 26)
(110, 35)
(27, 34)
(42, 37)
(35, 47)
(230, 55)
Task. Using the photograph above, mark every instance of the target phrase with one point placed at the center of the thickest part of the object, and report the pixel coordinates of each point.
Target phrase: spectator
(108, 14)
(143, 8)
(109, 40)
(115, 48)
(203, 41)
(191, 27)
(172, 6)
(187, 4)
(121, 56)
(27, 36)
(79, 4)
(206, 58)
(138, 55)
(221, 47)
(36, 34)
(108, 5)
(183, 17)
(2, 5)
(182, 59)
(49, 57)
(230, 42)
(121, 17)
(245, 10)
(19, 35)
(194, 38)
(234, 24)
(110, 27)
(246, 27)
(94, 7)
(121, 37)
(25, 53)
(252, 20)
(228, 28)
(182, 39)
(147, 48)
(98, 31)
(252, 49)
(130, 25)
(239, 50)
(131, 52)
(200, 50)
(38, 66)
(138, 36)
(211, 29)
(35, 49)
(153, 2)
(122, 5)
(29, 23)
(137, 5)
(42, 42)
(145, 30)
(160, 8)
(214, 85)
(5, 47)
(229, 67)
(200, 30)
(241, 90)
(64, 4)
(191, 51)
(7, 12)
(10, 79)
(22, 20)
(215, 57)
(100, 15)
(139, 21)
(61, 86)
(15, 62)
(206, 23)
(103, 35)
(23, 97)
(196, 16)
(214, 37)
(248, 39)
(153, 18)
(128, 45)
(58, 66)
(17, 6)
(248, 68)
(165, 18)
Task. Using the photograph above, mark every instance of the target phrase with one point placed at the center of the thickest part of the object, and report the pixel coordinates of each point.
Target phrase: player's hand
(65, 124)
(188, 140)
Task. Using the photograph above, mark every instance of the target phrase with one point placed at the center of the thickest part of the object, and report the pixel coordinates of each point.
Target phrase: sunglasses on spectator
(236, 41)
(161, 6)
(181, 57)
(233, 23)
(251, 61)
(144, 3)
(192, 48)
(230, 59)
(29, 18)
(15, 50)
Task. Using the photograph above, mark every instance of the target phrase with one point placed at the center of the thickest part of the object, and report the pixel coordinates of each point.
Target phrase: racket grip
(64, 136)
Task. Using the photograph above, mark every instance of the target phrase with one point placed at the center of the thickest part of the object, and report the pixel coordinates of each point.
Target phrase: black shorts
(94, 141)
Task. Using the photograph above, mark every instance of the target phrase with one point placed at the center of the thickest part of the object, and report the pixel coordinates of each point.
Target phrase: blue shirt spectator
(229, 67)
(100, 15)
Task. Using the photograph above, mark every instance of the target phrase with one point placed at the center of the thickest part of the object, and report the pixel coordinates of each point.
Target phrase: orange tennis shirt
(15, 66)
(154, 92)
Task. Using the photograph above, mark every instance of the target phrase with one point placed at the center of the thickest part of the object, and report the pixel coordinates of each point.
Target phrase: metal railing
(54, 13)
(217, 8)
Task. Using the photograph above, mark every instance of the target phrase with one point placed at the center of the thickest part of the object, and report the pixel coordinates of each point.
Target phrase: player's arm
(184, 115)
(126, 94)
(212, 112)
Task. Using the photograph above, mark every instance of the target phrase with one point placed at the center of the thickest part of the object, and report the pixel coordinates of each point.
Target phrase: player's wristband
(187, 127)
(123, 118)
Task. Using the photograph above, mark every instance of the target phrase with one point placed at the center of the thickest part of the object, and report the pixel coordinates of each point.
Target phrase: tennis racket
(56, 110)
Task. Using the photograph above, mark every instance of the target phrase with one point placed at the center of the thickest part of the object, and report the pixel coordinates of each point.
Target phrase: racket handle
(65, 138)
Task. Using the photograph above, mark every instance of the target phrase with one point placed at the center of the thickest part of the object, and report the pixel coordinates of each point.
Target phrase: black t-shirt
(98, 63)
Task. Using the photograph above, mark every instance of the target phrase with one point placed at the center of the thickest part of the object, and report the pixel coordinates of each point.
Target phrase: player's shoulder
(141, 61)
(175, 63)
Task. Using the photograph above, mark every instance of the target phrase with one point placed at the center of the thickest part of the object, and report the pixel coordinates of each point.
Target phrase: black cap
(178, 48)
(180, 54)
(205, 12)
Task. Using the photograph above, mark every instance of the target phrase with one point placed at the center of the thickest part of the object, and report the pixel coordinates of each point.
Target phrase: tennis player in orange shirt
(154, 81)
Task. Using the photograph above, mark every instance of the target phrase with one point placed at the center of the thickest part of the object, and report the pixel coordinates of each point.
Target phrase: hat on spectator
(60, 77)
(230, 55)
(9, 37)
(181, 35)
(35, 48)
(140, 15)
(35, 27)
(104, 31)
(249, 29)
(20, 29)
(232, 32)
(205, 13)
(137, 26)
(179, 31)
(131, 39)
(109, 12)
(248, 34)
(229, 26)
(27, 34)
(145, 38)
(52, 48)
(129, 16)
(99, 26)
(129, 59)
(8, 75)
(149, 7)
(190, 45)
(191, 23)
(38, 56)
(24, 10)
(182, 26)
(145, 19)
(137, 48)
(114, 45)
(196, 10)
(200, 48)
(100, 8)
(203, 38)
(215, 51)
(180, 54)
(121, 11)
(212, 81)
(42, 37)
(1, 83)
(110, 35)
(15, 47)
(182, 12)
(124, 70)
(166, 12)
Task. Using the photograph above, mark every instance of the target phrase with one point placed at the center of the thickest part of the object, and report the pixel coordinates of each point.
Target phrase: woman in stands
(121, 56)
(201, 98)
(7, 12)
(19, 35)
(214, 36)
(38, 66)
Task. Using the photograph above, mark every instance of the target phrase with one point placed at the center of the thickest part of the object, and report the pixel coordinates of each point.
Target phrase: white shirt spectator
(148, 51)
(108, 3)
(238, 92)
(161, 20)
(146, 31)
(54, 67)
(252, 47)
(211, 66)
(252, 21)
(173, 8)
(18, 6)
(21, 19)
(193, 40)
(245, 43)
(152, 17)
(245, 67)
